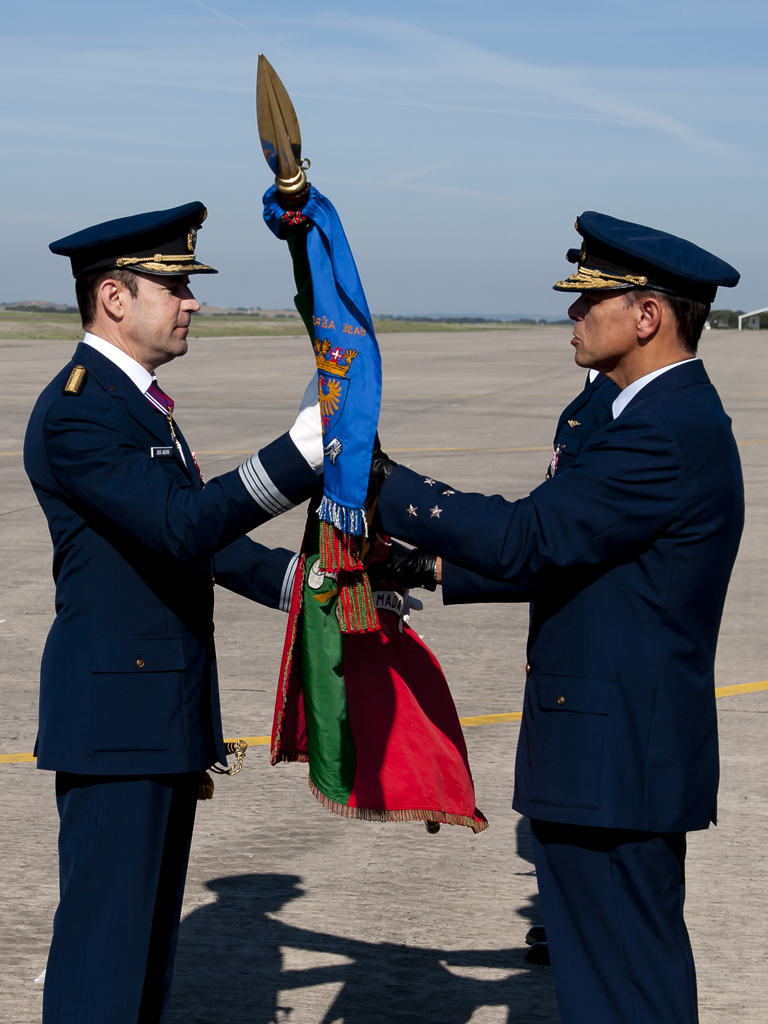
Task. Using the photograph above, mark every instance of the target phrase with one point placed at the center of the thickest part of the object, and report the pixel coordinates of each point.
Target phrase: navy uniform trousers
(612, 902)
(123, 852)
(129, 701)
(612, 898)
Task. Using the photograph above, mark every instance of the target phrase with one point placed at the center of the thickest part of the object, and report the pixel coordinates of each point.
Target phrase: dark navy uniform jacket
(633, 549)
(589, 410)
(128, 677)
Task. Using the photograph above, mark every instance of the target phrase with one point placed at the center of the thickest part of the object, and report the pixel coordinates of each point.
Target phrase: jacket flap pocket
(137, 654)
(574, 693)
(570, 441)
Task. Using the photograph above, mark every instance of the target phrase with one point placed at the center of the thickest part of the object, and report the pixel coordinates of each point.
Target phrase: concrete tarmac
(293, 914)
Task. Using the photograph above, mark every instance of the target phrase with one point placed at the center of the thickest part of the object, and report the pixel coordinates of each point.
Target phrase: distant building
(721, 319)
(752, 319)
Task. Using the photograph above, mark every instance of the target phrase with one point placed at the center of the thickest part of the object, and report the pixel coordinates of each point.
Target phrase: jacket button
(139, 663)
(561, 700)
(527, 669)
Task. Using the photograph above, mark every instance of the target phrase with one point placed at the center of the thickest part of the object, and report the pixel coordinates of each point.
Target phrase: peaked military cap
(617, 254)
(162, 242)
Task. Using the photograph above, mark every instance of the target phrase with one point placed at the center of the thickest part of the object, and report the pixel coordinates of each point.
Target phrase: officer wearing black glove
(410, 567)
(381, 467)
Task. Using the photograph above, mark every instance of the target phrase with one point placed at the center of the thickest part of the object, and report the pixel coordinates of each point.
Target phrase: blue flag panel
(347, 357)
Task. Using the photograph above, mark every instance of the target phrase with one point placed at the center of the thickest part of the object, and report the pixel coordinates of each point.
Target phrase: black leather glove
(411, 567)
(381, 467)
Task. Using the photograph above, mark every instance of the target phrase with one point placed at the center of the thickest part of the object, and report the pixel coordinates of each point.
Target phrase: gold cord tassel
(205, 790)
(236, 747)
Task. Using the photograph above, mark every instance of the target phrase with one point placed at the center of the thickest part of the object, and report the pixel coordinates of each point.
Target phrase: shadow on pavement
(237, 961)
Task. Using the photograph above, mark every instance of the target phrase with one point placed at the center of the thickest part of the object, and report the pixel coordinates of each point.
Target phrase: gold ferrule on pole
(290, 186)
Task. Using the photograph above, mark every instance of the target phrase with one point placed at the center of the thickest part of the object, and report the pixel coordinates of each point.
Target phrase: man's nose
(577, 311)
(189, 302)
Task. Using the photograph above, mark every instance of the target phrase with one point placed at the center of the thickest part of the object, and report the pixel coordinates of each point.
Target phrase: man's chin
(581, 358)
(181, 346)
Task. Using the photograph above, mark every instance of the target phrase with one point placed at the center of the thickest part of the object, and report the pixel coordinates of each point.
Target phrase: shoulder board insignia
(75, 381)
(574, 423)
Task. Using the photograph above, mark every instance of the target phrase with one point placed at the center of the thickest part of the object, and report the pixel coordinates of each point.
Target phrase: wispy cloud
(120, 80)
(395, 99)
(226, 17)
(564, 87)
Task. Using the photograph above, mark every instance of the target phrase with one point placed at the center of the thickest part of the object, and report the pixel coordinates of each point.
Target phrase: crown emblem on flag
(332, 358)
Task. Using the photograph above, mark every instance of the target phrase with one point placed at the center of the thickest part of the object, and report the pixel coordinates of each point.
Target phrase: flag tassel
(339, 550)
(357, 611)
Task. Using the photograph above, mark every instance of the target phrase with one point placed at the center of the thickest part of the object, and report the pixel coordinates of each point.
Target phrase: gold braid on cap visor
(163, 264)
(585, 279)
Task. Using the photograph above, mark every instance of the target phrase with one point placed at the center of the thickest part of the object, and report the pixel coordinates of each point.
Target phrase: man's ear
(649, 316)
(112, 299)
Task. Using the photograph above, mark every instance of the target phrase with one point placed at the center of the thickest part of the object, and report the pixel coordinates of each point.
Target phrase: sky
(458, 141)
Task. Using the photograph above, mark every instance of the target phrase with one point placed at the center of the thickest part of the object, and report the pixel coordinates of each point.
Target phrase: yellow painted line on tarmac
(730, 691)
(508, 716)
(511, 716)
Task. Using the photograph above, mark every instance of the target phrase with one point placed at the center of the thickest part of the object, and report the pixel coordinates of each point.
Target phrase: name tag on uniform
(162, 453)
(388, 601)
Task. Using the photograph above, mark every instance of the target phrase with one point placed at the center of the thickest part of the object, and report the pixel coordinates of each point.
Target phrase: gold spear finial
(279, 130)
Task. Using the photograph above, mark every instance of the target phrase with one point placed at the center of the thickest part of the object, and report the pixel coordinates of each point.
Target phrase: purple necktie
(164, 404)
(157, 397)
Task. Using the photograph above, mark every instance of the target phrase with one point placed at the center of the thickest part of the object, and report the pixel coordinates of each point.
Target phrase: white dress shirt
(629, 392)
(140, 376)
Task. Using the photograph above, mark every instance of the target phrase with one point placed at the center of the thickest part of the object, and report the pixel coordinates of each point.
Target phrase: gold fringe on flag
(478, 824)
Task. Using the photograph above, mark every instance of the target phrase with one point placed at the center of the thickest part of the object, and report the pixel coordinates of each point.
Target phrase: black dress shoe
(535, 934)
(538, 954)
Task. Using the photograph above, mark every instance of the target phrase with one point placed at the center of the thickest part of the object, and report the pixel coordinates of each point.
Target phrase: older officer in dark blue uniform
(630, 553)
(129, 702)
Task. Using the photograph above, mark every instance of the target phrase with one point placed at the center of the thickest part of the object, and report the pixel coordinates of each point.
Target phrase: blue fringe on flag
(347, 520)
